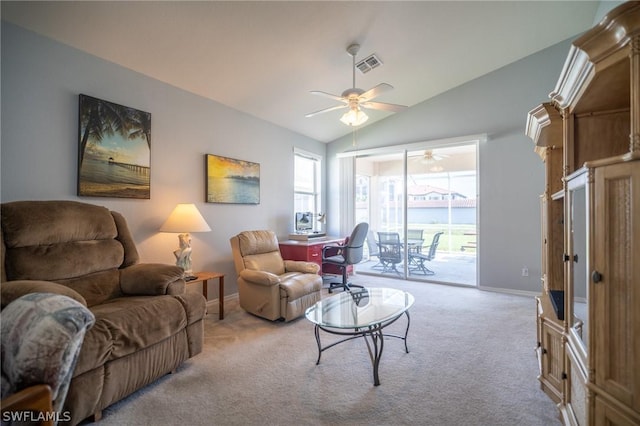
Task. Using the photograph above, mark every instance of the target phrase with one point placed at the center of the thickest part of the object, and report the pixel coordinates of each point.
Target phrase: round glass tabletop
(360, 308)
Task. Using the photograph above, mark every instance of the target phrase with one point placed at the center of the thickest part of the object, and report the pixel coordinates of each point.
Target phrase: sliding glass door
(421, 205)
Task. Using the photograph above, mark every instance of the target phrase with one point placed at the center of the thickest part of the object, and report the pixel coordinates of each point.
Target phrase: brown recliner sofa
(146, 323)
(269, 286)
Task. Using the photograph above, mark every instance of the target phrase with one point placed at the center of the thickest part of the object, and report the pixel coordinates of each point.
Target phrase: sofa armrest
(11, 290)
(152, 279)
(195, 305)
(301, 266)
(259, 277)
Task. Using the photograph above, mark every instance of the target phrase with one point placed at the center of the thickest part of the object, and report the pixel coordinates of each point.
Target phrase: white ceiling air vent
(368, 63)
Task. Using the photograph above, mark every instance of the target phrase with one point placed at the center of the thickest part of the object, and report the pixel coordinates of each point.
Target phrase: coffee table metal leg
(317, 333)
(375, 351)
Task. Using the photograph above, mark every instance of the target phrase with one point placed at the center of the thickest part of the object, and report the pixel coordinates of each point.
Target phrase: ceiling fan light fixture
(354, 117)
(430, 158)
(354, 98)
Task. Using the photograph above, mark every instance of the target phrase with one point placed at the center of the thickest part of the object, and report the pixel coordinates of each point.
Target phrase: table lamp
(185, 218)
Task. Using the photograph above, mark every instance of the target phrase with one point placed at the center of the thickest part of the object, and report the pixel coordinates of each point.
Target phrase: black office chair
(345, 255)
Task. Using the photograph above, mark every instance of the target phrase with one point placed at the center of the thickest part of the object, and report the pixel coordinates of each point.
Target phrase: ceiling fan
(355, 98)
(429, 157)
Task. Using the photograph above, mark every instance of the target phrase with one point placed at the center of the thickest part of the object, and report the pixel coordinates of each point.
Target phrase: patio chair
(417, 260)
(415, 234)
(415, 239)
(390, 251)
(374, 250)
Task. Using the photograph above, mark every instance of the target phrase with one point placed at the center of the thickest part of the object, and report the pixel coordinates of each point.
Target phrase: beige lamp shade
(185, 218)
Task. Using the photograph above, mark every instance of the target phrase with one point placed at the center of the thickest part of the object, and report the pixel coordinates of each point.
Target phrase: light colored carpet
(471, 361)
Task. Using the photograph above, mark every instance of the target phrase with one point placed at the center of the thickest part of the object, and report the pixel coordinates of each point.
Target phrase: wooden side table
(204, 277)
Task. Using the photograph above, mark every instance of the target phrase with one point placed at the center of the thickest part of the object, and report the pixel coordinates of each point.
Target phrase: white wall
(41, 80)
(510, 173)
(604, 7)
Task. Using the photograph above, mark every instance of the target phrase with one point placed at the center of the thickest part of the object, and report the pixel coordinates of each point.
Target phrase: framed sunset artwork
(232, 181)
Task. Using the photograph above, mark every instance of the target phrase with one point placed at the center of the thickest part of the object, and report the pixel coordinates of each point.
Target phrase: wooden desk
(204, 277)
(310, 251)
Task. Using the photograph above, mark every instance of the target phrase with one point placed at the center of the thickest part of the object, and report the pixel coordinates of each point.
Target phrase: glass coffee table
(361, 313)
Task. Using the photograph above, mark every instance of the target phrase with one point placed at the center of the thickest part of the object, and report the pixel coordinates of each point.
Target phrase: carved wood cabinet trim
(589, 134)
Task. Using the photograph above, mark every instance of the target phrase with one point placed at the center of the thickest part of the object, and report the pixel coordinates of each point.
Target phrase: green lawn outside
(452, 240)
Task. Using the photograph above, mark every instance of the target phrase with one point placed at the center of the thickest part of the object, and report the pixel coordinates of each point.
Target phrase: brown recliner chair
(269, 286)
(146, 324)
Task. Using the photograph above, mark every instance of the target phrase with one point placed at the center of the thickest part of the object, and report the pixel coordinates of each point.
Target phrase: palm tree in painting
(140, 125)
(100, 119)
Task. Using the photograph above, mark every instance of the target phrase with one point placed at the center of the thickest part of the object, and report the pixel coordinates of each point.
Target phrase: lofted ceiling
(264, 57)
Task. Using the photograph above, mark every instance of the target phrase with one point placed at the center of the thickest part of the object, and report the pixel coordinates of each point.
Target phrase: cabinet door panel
(616, 256)
(606, 414)
(552, 358)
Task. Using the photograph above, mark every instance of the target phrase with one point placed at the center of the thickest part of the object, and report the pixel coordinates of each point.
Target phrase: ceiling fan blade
(376, 91)
(329, 95)
(311, 114)
(383, 106)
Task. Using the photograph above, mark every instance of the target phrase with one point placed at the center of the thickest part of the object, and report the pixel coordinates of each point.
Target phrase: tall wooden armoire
(588, 314)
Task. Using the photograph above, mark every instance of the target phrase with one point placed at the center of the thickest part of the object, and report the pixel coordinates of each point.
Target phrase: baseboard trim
(514, 292)
(227, 298)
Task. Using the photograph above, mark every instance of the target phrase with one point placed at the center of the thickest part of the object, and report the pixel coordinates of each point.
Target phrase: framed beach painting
(232, 181)
(114, 156)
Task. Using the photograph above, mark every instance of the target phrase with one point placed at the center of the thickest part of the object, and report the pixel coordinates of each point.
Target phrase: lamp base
(189, 278)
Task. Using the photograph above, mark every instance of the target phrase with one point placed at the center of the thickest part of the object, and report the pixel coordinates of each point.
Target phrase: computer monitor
(304, 222)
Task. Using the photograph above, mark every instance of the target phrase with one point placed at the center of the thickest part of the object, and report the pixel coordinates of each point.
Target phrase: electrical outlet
(525, 271)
